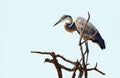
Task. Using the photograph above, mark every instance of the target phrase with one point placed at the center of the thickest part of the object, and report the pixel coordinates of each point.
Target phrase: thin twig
(81, 49)
(39, 52)
(95, 68)
(82, 33)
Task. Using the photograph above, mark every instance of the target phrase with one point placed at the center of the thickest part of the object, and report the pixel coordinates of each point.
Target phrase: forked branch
(80, 66)
(76, 64)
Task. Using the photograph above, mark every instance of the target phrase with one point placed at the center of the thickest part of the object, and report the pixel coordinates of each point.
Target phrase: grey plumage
(78, 26)
(89, 31)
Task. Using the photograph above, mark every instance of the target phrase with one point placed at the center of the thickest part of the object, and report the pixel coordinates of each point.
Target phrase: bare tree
(78, 65)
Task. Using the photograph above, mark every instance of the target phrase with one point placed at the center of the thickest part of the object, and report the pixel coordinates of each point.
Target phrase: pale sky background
(27, 25)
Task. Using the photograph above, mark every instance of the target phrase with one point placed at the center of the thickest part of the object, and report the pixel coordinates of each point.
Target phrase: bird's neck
(70, 22)
(70, 27)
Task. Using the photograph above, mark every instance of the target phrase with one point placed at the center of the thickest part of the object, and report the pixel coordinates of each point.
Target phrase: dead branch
(81, 49)
(84, 27)
(54, 61)
(76, 65)
(80, 66)
(95, 68)
(58, 65)
(69, 61)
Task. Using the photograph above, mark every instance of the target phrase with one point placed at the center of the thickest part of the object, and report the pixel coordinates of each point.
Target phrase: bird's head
(63, 18)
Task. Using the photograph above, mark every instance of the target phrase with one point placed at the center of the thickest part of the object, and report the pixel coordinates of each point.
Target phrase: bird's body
(89, 31)
(79, 25)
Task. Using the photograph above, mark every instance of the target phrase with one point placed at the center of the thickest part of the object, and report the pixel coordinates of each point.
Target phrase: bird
(78, 25)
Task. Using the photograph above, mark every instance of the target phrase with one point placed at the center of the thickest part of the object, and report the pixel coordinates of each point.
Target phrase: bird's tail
(100, 41)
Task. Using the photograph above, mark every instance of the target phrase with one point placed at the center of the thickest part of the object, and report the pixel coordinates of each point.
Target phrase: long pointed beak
(57, 22)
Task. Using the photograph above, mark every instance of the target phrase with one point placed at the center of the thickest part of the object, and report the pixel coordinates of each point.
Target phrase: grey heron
(79, 25)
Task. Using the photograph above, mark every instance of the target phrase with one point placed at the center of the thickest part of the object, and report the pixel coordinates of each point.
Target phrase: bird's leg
(87, 51)
(86, 44)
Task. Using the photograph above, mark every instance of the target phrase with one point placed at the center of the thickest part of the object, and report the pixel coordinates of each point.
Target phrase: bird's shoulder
(81, 21)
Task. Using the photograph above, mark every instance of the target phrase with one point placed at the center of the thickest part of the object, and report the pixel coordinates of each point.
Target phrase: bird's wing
(89, 29)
